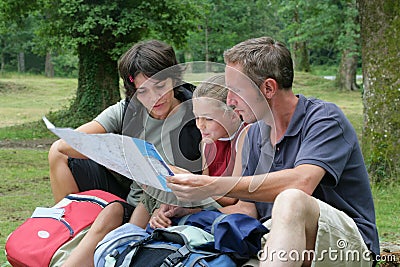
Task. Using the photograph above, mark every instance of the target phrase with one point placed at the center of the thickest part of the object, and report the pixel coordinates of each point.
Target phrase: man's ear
(268, 88)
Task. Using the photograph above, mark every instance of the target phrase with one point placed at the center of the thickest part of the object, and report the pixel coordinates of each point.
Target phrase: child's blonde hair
(214, 88)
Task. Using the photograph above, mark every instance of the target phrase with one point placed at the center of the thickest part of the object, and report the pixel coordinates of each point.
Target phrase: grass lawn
(27, 98)
(25, 181)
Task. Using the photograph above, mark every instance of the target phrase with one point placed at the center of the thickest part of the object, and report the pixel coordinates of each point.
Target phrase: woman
(151, 106)
(156, 112)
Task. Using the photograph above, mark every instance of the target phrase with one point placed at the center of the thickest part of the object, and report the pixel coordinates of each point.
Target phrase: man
(303, 156)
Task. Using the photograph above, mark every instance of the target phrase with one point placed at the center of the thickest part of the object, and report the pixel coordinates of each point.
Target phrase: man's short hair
(263, 58)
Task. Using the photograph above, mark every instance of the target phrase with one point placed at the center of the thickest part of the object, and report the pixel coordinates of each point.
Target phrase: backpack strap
(216, 221)
(183, 220)
(130, 252)
(176, 257)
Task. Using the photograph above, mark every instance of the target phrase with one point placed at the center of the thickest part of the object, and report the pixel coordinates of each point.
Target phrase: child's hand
(161, 216)
(159, 219)
(180, 211)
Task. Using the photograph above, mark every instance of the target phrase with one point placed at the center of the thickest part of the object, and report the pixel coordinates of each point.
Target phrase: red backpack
(47, 238)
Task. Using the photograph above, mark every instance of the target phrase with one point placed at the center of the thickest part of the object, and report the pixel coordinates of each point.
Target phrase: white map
(131, 157)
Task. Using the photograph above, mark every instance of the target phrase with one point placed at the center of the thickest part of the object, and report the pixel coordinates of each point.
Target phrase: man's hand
(177, 169)
(192, 187)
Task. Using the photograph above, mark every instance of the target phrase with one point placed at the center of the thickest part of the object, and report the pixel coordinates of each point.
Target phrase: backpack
(184, 245)
(48, 237)
(211, 237)
(237, 234)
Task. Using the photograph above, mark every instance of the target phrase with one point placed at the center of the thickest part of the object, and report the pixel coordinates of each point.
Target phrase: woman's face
(157, 96)
(211, 119)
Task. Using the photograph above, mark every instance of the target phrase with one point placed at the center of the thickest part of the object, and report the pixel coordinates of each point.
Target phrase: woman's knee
(55, 157)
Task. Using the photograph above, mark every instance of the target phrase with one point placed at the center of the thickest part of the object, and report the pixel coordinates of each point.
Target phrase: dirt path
(42, 144)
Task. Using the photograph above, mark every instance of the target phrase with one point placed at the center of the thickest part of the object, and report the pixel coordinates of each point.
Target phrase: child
(221, 129)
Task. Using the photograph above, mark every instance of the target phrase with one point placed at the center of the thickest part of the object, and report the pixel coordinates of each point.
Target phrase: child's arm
(225, 201)
(203, 160)
(237, 169)
(248, 208)
(140, 216)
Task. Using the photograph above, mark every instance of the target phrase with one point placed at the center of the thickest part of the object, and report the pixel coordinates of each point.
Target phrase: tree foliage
(380, 24)
(222, 24)
(100, 31)
(320, 31)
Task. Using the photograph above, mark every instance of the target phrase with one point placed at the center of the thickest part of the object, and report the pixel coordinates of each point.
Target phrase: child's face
(212, 121)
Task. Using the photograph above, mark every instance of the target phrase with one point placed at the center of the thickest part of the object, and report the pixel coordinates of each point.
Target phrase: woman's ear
(268, 88)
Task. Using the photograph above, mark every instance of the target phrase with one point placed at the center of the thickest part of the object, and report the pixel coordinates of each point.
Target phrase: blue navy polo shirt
(318, 134)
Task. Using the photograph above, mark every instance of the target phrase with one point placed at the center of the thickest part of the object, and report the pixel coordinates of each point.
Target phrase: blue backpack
(237, 234)
(183, 245)
(207, 238)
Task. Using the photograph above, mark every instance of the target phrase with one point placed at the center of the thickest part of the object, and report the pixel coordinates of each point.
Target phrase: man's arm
(263, 187)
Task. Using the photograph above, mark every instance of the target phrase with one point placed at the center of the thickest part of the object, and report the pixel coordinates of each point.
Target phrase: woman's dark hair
(149, 58)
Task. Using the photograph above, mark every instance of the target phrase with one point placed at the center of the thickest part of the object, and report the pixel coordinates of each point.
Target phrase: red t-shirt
(220, 155)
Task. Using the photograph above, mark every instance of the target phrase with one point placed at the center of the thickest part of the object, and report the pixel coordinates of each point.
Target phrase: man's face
(244, 95)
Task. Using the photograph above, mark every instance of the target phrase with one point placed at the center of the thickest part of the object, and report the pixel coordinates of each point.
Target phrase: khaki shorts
(338, 243)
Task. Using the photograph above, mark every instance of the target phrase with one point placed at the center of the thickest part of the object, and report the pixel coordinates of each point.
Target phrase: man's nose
(231, 99)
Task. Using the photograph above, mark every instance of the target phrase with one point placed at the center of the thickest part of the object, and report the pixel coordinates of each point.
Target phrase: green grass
(24, 186)
(25, 182)
(387, 207)
(24, 99)
(349, 101)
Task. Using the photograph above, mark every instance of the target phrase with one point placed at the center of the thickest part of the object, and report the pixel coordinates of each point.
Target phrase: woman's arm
(92, 127)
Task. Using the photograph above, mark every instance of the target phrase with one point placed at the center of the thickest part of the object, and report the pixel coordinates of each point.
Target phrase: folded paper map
(131, 157)
(41, 212)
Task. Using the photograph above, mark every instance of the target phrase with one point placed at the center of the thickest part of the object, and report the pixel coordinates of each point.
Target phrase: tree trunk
(188, 58)
(3, 64)
(301, 60)
(206, 46)
(21, 62)
(49, 67)
(380, 24)
(98, 84)
(300, 51)
(347, 73)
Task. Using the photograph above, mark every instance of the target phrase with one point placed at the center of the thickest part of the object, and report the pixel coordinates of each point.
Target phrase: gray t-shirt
(112, 117)
(318, 134)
